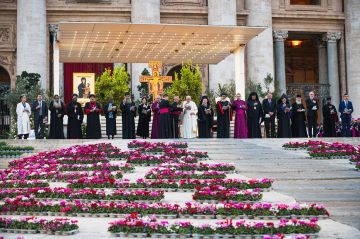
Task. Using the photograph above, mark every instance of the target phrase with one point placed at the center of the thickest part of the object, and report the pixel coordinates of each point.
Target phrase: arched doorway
(172, 71)
(5, 82)
(4, 76)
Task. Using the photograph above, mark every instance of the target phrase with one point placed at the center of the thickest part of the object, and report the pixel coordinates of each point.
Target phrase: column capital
(332, 36)
(280, 35)
(54, 29)
(320, 43)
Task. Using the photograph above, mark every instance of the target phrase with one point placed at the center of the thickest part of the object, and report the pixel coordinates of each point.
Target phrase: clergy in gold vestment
(189, 128)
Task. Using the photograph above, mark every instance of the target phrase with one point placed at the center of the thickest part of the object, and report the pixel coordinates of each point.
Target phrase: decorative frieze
(200, 3)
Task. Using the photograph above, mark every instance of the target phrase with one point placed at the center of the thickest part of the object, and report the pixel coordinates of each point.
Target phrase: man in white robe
(189, 127)
(23, 112)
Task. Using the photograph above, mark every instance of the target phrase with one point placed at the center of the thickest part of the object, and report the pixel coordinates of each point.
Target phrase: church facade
(307, 44)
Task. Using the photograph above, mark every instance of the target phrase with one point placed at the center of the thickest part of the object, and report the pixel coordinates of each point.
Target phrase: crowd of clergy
(186, 119)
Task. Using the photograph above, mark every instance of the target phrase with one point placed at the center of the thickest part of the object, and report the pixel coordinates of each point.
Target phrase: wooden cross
(155, 82)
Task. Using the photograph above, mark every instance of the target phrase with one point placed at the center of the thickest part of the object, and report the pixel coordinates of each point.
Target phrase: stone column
(61, 79)
(323, 68)
(260, 52)
(333, 65)
(342, 66)
(53, 29)
(280, 74)
(32, 38)
(239, 56)
(222, 12)
(352, 33)
(142, 12)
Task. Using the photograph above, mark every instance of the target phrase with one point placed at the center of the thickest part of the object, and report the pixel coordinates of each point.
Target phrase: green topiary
(143, 88)
(112, 84)
(189, 83)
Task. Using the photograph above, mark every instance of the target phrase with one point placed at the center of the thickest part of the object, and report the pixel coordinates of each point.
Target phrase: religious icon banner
(83, 85)
(155, 82)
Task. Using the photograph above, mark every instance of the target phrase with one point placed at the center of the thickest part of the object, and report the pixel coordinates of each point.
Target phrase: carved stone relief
(7, 35)
(199, 3)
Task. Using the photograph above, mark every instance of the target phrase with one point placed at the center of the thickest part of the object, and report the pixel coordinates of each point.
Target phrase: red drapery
(70, 68)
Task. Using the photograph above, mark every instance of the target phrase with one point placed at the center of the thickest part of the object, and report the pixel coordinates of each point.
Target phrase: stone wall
(8, 38)
(329, 16)
(353, 52)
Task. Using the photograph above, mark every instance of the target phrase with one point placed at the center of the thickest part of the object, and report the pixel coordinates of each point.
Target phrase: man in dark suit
(312, 108)
(40, 109)
(269, 108)
(346, 109)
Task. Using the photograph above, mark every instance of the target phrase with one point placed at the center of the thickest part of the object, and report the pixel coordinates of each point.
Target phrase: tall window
(305, 2)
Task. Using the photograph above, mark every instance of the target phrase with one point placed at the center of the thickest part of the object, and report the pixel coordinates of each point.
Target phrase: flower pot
(160, 235)
(243, 237)
(197, 236)
(182, 236)
(258, 236)
(67, 233)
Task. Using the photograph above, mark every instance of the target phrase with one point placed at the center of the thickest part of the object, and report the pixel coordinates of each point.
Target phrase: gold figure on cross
(155, 82)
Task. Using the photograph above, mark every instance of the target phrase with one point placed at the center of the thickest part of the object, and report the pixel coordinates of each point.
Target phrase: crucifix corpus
(155, 82)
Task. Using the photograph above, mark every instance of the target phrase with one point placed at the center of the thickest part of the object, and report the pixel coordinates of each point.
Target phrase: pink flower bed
(168, 173)
(220, 193)
(184, 152)
(28, 204)
(39, 225)
(199, 166)
(150, 225)
(146, 144)
(138, 158)
(90, 194)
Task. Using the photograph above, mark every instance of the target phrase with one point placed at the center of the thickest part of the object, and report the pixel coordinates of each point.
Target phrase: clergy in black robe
(144, 111)
(254, 114)
(330, 118)
(223, 112)
(128, 109)
(175, 112)
(57, 111)
(311, 110)
(269, 107)
(298, 119)
(283, 115)
(164, 118)
(93, 110)
(205, 118)
(75, 118)
(110, 112)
